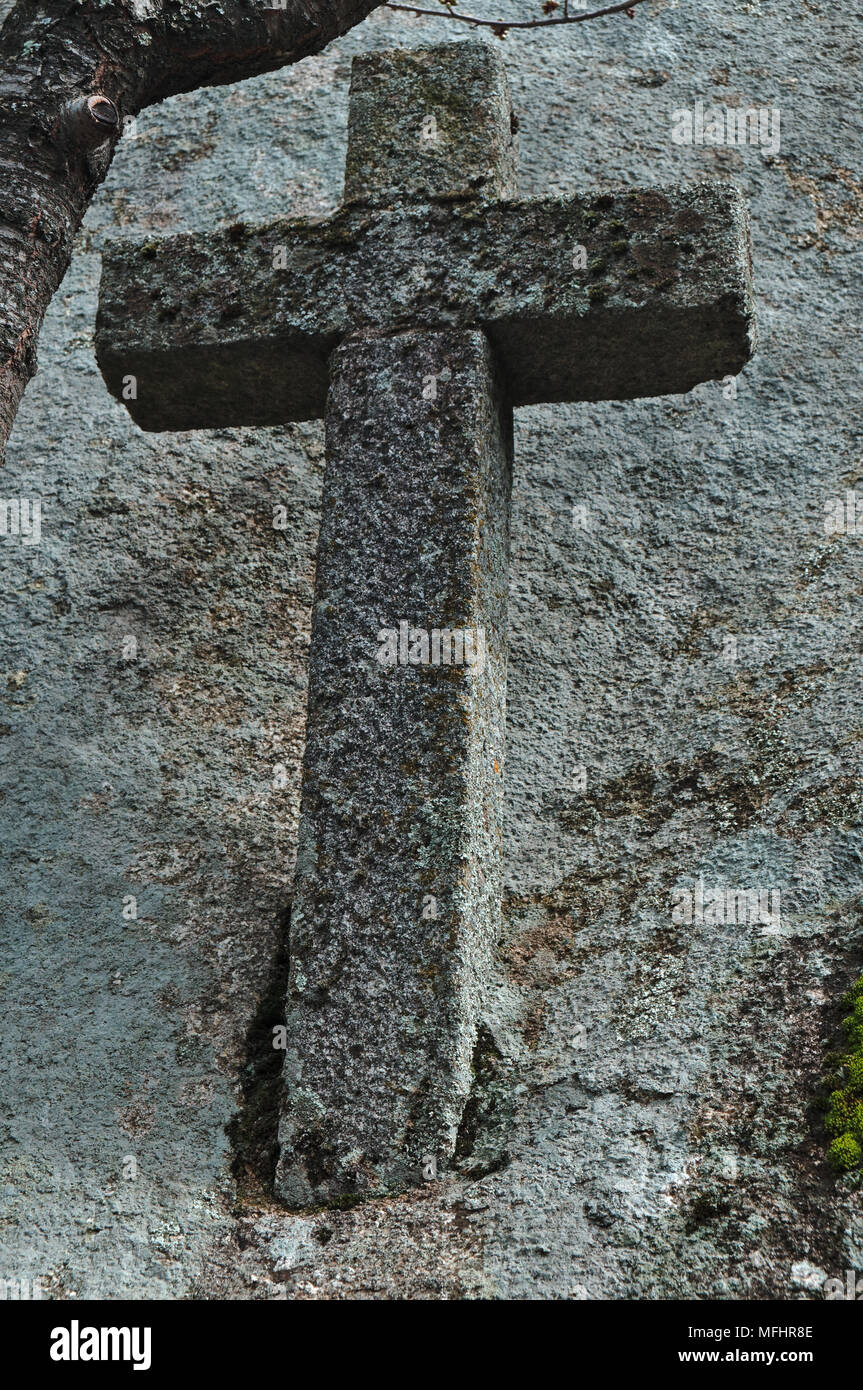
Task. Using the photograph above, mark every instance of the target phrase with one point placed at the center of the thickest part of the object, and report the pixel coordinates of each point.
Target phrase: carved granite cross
(414, 319)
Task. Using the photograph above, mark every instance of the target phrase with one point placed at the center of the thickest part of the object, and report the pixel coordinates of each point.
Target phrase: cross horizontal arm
(604, 297)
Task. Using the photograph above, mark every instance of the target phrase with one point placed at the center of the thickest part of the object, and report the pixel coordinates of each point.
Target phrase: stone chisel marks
(426, 307)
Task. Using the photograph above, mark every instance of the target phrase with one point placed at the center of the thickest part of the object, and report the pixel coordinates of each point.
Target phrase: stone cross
(413, 320)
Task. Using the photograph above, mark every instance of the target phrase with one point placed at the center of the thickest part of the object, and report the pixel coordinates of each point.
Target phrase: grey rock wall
(641, 1124)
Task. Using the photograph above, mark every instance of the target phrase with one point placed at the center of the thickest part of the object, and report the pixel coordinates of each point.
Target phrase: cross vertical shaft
(396, 900)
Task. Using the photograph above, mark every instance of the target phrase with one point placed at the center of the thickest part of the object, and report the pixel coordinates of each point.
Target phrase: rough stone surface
(213, 334)
(396, 906)
(641, 1121)
(432, 123)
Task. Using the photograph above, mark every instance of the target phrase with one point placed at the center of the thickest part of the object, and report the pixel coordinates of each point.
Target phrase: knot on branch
(89, 122)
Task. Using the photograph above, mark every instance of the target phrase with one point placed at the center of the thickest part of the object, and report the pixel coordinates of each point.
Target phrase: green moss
(845, 1153)
(855, 1072)
(844, 1117)
(844, 1114)
(853, 1024)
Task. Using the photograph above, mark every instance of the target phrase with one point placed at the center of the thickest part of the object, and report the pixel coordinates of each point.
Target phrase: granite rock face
(684, 703)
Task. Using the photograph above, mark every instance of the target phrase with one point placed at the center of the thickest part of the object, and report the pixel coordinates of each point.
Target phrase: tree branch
(500, 26)
(70, 71)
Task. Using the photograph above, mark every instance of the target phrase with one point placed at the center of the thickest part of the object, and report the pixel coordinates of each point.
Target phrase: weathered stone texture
(416, 131)
(664, 303)
(397, 899)
(648, 1104)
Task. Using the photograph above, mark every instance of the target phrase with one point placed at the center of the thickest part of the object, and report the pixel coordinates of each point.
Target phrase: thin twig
(501, 25)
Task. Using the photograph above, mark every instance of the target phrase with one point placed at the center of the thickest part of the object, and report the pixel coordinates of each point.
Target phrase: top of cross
(605, 296)
(430, 124)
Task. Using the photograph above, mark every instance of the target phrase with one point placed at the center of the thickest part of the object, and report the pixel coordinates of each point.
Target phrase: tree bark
(55, 150)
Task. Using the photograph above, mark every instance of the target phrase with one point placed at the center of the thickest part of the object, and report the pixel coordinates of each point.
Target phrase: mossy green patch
(845, 1153)
(844, 1119)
